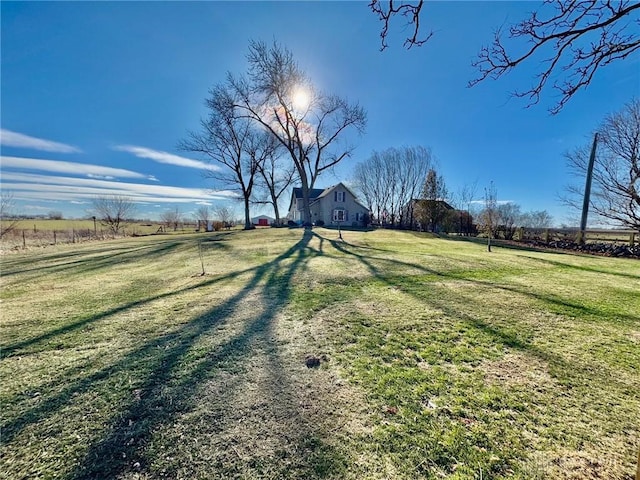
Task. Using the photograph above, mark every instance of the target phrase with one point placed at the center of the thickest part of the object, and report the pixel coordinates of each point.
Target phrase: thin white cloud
(45, 187)
(498, 202)
(15, 139)
(164, 157)
(59, 166)
(101, 177)
(37, 207)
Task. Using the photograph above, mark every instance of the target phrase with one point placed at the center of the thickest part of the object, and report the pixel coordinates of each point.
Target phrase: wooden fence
(546, 235)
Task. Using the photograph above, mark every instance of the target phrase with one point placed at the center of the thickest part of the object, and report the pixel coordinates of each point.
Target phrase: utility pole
(587, 191)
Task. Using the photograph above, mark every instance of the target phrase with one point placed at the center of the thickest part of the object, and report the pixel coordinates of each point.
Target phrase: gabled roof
(330, 189)
(313, 193)
(446, 205)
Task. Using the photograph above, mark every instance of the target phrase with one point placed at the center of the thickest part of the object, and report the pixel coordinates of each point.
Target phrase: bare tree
(171, 218)
(225, 215)
(508, 219)
(113, 211)
(232, 142)
(276, 176)
(536, 219)
(8, 222)
(615, 190)
(489, 215)
(203, 215)
(370, 179)
(390, 179)
(309, 125)
(570, 39)
(463, 199)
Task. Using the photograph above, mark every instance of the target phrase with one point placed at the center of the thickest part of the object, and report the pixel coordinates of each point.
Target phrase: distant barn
(262, 220)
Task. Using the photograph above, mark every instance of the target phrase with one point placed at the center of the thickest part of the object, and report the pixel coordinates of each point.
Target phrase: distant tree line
(402, 189)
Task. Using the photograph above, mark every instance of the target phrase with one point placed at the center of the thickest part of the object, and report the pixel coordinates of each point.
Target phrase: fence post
(73, 235)
(521, 234)
(545, 235)
(55, 240)
(24, 241)
(632, 239)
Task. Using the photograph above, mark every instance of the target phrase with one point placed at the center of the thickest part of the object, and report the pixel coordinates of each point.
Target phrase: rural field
(437, 360)
(29, 233)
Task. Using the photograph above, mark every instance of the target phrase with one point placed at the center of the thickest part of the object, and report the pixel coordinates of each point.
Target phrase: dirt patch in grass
(517, 369)
(587, 464)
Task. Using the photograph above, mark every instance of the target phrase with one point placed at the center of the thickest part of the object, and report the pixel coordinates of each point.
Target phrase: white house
(335, 205)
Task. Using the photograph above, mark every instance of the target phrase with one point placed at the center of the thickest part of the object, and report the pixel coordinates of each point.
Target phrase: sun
(301, 99)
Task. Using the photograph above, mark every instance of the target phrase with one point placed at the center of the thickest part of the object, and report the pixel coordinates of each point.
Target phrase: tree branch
(406, 9)
(567, 33)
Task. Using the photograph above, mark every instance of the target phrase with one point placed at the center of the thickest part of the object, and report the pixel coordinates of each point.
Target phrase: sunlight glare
(301, 99)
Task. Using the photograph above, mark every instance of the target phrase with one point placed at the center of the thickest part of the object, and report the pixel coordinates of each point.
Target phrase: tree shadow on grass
(82, 262)
(587, 269)
(23, 347)
(92, 263)
(168, 374)
(559, 379)
(450, 306)
(551, 300)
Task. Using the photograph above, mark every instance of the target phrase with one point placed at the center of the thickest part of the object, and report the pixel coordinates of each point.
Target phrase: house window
(339, 196)
(339, 215)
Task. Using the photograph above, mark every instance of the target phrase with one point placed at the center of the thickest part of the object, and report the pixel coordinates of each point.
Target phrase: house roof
(446, 205)
(313, 192)
(330, 189)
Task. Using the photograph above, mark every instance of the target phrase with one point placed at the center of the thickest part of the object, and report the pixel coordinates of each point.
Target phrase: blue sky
(97, 95)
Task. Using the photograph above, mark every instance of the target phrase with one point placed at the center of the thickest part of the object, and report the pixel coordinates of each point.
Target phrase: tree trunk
(306, 210)
(276, 211)
(274, 202)
(247, 219)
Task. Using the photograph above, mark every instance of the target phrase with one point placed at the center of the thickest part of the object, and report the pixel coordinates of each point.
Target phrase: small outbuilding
(262, 220)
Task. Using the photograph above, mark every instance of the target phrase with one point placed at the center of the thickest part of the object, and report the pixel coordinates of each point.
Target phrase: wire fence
(24, 238)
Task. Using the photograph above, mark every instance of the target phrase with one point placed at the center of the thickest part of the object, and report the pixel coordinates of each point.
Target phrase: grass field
(437, 359)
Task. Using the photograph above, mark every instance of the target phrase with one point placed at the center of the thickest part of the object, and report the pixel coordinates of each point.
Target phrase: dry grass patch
(517, 369)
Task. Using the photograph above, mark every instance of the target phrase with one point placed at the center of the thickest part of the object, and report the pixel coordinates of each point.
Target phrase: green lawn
(438, 359)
